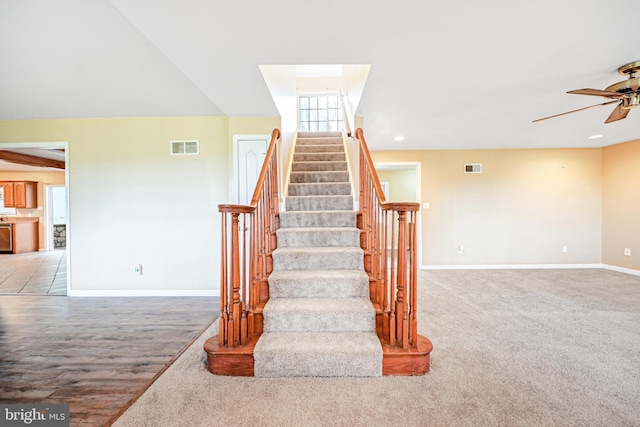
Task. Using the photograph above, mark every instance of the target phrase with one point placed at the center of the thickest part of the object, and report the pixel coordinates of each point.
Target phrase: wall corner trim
(621, 269)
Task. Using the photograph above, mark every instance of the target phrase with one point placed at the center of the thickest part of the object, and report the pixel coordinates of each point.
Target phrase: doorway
(45, 270)
(402, 182)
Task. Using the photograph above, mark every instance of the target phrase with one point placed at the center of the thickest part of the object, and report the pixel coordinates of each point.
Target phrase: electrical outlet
(627, 251)
(460, 249)
(565, 249)
(138, 269)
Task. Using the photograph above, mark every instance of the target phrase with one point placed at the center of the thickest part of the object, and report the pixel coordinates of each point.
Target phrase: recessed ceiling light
(399, 138)
(596, 136)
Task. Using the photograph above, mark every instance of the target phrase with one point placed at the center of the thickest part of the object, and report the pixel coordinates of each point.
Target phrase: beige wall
(132, 202)
(621, 204)
(522, 209)
(43, 179)
(402, 184)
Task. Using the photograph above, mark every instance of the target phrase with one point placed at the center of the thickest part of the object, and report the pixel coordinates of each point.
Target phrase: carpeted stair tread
(318, 236)
(324, 134)
(323, 258)
(319, 315)
(319, 284)
(321, 354)
(328, 218)
(320, 148)
(320, 189)
(319, 157)
(319, 176)
(314, 203)
(301, 166)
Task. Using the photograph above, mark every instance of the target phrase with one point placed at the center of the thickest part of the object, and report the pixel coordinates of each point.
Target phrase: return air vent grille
(185, 147)
(473, 168)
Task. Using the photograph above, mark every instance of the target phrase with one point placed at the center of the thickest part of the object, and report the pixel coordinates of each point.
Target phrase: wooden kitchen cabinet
(9, 201)
(20, 194)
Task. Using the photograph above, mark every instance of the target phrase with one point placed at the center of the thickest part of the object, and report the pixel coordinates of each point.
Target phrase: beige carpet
(512, 348)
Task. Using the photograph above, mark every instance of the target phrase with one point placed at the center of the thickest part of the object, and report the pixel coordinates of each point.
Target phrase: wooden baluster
(252, 276)
(243, 295)
(393, 318)
(384, 284)
(413, 281)
(234, 325)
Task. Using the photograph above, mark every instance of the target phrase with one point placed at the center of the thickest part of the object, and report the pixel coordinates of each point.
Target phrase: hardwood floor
(94, 354)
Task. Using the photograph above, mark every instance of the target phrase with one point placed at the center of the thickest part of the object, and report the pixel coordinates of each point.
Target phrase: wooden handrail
(388, 238)
(248, 241)
(364, 151)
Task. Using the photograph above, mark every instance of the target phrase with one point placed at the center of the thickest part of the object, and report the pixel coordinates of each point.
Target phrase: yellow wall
(621, 205)
(402, 184)
(522, 209)
(131, 202)
(43, 179)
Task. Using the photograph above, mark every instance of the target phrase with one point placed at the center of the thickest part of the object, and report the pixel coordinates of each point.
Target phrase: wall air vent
(473, 168)
(185, 147)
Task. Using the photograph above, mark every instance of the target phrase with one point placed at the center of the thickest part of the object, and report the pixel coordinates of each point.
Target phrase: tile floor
(41, 273)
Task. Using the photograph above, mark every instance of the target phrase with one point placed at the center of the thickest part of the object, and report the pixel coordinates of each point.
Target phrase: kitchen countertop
(17, 219)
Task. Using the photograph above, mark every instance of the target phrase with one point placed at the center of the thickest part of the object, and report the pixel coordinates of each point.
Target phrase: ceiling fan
(626, 93)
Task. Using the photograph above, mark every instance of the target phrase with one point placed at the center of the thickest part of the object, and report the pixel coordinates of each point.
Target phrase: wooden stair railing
(388, 238)
(248, 240)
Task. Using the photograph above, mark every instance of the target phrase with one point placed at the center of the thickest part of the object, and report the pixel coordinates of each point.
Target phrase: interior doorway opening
(401, 182)
(42, 270)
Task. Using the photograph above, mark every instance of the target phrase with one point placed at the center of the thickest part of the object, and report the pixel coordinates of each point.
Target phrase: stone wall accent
(59, 236)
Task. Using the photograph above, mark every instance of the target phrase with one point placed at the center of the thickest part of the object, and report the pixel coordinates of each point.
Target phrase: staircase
(319, 320)
(318, 290)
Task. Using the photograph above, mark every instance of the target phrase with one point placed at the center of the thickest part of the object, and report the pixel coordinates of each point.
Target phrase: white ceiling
(445, 74)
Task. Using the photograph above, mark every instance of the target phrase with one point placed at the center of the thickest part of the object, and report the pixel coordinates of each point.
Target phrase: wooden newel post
(402, 329)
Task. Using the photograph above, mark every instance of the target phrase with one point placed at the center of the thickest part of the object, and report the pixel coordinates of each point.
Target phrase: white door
(250, 152)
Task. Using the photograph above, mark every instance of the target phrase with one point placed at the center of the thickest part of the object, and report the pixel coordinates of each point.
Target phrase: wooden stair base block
(411, 362)
(236, 361)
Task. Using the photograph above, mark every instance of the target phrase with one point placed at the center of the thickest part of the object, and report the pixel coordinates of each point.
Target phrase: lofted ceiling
(445, 75)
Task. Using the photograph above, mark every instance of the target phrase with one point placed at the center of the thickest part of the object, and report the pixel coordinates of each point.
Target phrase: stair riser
(318, 261)
(318, 238)
(288, 365)
(317, 219)
(319, 157)
(317, 177)
(316, 135)
(321, 354)
(324, 148)
(318, 166)
(320, 189)
(293, 289)
(315, 203)
(306, 321)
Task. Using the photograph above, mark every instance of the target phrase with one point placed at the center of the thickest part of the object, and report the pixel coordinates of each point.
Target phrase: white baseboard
(143, 293)
(621, 269)
(508, 266)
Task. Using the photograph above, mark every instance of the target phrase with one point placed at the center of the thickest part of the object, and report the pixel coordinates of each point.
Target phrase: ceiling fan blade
(575, 111)
(618, 113)
(596, 92)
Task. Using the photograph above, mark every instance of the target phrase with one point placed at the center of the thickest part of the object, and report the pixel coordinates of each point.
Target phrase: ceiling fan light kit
(626, 93)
